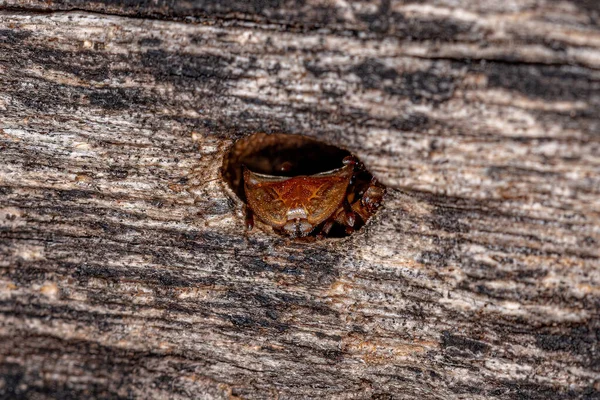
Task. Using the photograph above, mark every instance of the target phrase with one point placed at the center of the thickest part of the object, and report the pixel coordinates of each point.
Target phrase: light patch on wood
(6, 287)
(508, 98)
(508, 369)
(29, 252)
(378, 351)
(50, 290)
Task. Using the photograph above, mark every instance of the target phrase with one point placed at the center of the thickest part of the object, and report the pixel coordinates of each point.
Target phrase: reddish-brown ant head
(300, 186)
(299, 204)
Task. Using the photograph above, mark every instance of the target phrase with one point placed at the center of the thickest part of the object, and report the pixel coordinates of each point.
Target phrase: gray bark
(125, 268)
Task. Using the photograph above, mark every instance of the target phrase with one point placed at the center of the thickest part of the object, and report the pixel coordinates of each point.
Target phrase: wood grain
(125, 269)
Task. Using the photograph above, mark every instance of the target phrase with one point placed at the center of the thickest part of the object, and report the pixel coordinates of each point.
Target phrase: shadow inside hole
(290, 156)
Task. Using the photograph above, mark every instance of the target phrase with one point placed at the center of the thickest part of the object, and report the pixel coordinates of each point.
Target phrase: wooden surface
(125, 270)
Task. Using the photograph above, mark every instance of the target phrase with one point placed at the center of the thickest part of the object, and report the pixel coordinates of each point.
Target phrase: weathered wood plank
(125, 268)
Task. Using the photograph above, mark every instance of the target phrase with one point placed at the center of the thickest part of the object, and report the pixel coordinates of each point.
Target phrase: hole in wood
(300, 187)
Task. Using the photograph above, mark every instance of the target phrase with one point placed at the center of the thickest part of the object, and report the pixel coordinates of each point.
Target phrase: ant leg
(370, 201)
(349, 214)
(326, 228)
(249, 218)
(373, 196)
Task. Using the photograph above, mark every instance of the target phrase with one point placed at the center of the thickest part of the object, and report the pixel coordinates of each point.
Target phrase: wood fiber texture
(125, 269)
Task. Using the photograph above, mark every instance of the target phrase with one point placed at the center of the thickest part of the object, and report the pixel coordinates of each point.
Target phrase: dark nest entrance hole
(290, 156)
